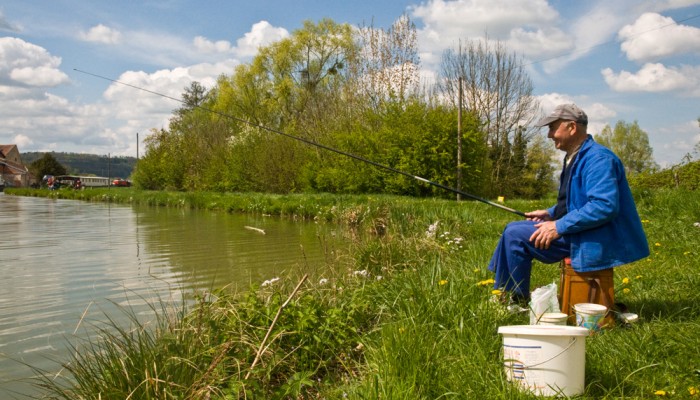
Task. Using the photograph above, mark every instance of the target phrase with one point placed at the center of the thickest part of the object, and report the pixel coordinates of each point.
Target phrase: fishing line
(316, 144)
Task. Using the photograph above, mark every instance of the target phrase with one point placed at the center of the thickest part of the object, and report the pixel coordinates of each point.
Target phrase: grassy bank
(409, 319)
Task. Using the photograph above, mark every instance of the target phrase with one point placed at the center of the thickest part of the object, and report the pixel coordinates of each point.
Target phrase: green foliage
(631, 144)
(536, 178)
(414, 138)
(684, 176)
(46, 165)
(163, 165)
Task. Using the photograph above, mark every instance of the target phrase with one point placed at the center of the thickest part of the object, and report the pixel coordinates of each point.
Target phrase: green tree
(294, 86)
(415, 137)
(631, 144)
(498, 89)
(696, 149)
(538, 175)
(46, 165)
(161, 167)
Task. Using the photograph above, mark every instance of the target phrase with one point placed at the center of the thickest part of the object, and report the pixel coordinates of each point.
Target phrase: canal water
(67, 264)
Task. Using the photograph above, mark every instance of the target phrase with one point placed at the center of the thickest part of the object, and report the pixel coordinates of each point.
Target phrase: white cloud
(261, 34)
(102, 34)
(26, 64)
(540, 43)
(164, 49)
(451, 20)
(22, 141)
(598, 114)
(653, 36)
(207, 46)
(140, 111)
(38, 76)
(655, 77)
(524, 25)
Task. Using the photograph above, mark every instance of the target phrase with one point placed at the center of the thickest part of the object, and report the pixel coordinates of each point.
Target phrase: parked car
(121, 182)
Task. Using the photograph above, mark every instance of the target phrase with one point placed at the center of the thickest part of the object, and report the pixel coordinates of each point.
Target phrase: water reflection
(67, 263)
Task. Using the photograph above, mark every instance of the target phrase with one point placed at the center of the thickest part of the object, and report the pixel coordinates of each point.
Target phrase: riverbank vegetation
(404, 315)
(267, 126)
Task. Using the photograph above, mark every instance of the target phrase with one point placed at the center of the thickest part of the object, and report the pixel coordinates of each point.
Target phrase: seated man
(594, 222)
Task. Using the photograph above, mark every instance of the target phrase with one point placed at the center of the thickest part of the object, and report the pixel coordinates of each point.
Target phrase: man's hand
(538, 215)
(545, 234)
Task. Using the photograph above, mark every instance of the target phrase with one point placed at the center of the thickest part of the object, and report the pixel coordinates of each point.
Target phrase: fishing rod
(312, 143)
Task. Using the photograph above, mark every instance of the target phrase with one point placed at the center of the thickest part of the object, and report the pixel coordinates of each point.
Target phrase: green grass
(425, 330)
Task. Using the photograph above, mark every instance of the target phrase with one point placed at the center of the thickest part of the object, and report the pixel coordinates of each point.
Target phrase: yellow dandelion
(685, 253)
(626, 290)
(638, 277)
(496, 292)
(486, 282)
(657, 244)
(476, 270)
(693, 391)
(660, 393)
(625, 281)
(645, 221)
(443, 282)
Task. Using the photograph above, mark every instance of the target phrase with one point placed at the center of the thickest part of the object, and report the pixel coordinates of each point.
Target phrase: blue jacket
(602, 223)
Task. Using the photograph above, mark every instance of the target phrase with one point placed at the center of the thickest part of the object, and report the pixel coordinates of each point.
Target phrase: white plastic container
(547, 360)
(590, 315)
(553, 319)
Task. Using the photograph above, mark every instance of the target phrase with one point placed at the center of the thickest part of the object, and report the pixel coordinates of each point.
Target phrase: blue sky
(631, 60)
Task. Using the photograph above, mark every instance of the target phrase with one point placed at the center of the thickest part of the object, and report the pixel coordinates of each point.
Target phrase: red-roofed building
(12, 170)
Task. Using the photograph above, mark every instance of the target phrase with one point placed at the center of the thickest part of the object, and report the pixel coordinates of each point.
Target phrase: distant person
(594, 221)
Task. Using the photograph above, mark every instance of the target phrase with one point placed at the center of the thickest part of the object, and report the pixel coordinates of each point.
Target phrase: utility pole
(137, 146)
(459, 139)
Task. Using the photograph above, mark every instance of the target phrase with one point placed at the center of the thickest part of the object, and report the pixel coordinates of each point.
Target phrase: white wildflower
(379, 277)
(323, 281)
(363, 273)
(269, 282)
(432, 229)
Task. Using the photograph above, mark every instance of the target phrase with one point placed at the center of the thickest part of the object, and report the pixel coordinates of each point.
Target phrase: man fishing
(594, 221)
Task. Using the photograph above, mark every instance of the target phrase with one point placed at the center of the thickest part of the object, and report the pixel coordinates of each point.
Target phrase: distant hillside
(88, 164)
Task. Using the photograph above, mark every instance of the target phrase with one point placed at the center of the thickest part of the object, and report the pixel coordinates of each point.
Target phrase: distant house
(12, 170)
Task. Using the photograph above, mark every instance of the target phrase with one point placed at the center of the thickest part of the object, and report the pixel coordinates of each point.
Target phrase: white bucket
(552, 319)
(590, 315)
(547, 360)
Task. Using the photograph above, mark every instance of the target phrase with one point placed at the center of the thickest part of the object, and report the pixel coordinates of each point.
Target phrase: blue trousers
(512, 259)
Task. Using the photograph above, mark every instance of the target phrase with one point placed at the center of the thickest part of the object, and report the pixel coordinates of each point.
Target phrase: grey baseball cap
(568, 112)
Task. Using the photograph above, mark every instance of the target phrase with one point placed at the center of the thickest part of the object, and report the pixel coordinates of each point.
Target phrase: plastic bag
(543, 300)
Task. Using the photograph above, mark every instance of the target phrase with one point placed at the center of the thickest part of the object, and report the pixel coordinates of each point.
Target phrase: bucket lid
(553, 316)
(544, 330)
(590, 308)
(630, 318)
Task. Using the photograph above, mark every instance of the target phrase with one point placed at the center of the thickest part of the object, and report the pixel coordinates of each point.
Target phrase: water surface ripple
(65, 264)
